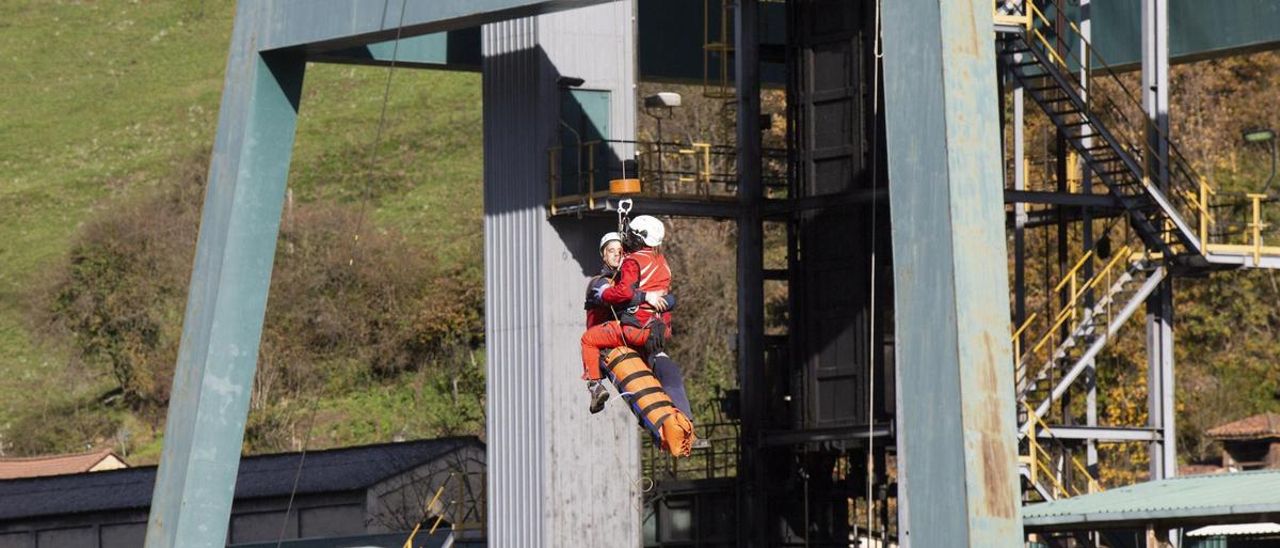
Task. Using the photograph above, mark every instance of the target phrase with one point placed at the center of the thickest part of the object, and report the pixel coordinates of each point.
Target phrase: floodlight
(1259, 135)
(569, 81)
(665, 99)
(1262, 135)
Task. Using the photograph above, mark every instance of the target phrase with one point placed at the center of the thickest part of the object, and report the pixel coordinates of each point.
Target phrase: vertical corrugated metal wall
(511, 286)
(558, 476)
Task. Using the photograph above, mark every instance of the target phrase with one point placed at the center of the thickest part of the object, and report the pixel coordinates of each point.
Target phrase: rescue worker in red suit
(640, 288)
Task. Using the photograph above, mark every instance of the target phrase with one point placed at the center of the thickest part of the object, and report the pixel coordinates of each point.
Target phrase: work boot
(599, 395)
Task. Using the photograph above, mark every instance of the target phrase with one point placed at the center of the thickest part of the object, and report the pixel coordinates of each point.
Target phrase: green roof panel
(1213, 498)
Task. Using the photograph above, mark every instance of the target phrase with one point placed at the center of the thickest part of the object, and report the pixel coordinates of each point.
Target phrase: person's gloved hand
(599, 291)
(656, 300)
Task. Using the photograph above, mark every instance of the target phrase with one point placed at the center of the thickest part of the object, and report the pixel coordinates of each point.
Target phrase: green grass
(100, 99)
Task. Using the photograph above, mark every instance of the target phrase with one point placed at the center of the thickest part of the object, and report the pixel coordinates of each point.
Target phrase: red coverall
(644, 270)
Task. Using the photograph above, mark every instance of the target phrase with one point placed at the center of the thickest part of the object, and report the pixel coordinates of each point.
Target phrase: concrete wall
(558, 476)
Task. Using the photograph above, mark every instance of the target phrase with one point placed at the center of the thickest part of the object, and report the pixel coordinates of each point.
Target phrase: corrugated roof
(1237, 529)
(330, 471)
(1264, 425)
(30, 467)
(1222, 498)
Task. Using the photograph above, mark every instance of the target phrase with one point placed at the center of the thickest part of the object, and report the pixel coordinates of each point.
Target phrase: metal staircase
(1164, 201)
(1128, 280)
(1107, 128)
(1048, 467)
(1110, 138)
(1068, 342)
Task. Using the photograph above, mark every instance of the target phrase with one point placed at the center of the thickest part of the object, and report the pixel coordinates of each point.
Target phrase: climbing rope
(875, 208)
(355, 240)
(624, 210)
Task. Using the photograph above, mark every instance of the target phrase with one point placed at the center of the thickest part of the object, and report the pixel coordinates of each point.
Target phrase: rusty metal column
(956, 433)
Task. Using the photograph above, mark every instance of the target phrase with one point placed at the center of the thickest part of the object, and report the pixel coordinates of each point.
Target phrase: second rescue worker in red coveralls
(643, 278)
(666, 369)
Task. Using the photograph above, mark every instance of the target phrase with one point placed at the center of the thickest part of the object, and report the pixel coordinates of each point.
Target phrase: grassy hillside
(104, 101)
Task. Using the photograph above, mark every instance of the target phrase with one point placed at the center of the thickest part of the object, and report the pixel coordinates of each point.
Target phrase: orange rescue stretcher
(649, 401)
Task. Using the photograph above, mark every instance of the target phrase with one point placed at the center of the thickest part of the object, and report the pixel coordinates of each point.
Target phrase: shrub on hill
(376, 299)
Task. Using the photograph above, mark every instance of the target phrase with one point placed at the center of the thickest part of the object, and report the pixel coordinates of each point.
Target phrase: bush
(376, 300)
(68, 427)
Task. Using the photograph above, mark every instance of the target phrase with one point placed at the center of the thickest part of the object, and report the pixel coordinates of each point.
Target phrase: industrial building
(371, 495)
(897, 405)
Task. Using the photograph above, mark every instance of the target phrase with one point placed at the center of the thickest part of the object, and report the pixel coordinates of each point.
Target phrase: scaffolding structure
(899, 404)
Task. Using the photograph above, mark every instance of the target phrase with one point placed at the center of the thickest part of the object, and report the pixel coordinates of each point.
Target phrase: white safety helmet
(649, 230)
(610, 237)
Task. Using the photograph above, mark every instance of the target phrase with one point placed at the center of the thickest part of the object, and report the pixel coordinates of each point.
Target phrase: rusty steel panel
(956, 430)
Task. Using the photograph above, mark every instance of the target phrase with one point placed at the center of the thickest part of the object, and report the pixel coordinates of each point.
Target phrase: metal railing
(1240, 223)
(718, 458)
(1112, 103)
(691, 170)
(718, 47)
(1075, 286)
(1227, 223)
(1039, 460)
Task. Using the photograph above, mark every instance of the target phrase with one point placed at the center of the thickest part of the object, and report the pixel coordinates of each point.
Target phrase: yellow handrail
(1069, 309)
(408, 543)
(1200, 207)
(553, 175)
(1074, 269)
(1022, 20)
(1017, 336)
(1033, 10)
(1025, 325)
(1257, 225)
(1038, 466)
(1035, 449)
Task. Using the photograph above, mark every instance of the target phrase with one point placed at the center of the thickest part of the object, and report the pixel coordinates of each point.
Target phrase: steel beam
(956, 449)
(1049, 215)
(825, 435)
(753, 510)
(1101, 434)
(1086, 184)
(239, 227)
(454, 50)
(1160, 366)
(326, 25)
(1059, 199)
(228, 294)
(1019, 214)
